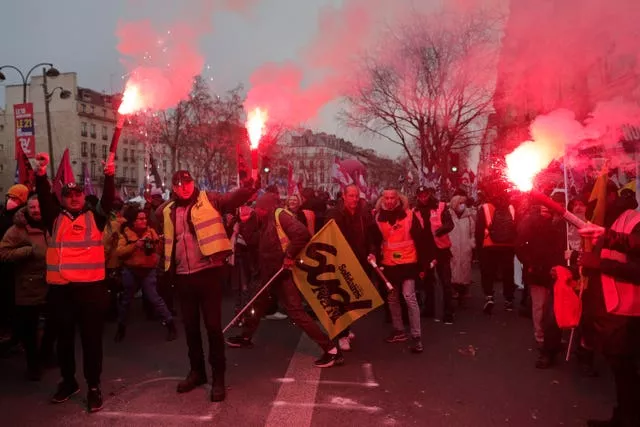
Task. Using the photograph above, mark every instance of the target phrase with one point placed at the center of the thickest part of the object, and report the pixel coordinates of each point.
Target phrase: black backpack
(502, 227)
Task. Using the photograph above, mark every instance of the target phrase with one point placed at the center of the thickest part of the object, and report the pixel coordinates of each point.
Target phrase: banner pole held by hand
(246, 307)
(381, 274)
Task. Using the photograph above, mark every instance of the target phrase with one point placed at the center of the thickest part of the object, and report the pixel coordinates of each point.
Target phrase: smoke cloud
(163, 58)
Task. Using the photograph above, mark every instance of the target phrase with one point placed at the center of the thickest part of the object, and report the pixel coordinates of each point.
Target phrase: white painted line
(339, 406)
(329, 382)
(300, 395)
(370, 379)
(153, 415)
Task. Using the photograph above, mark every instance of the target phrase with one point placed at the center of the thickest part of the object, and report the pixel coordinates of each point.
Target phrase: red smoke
(162, 62)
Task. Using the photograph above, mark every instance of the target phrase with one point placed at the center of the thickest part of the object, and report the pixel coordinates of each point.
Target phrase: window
(164, 165)
(83, 129)
(84, 108)
(1, 167)
(1, 147)
(133, 155)
(83, 148)
(125, 156)
(104, 152)
(125, 171)
(93, 130)
(104, 112)
(93, 150)
(133, 174)
(104, 133)
(93, 109)
(93, 170)
(84, 168)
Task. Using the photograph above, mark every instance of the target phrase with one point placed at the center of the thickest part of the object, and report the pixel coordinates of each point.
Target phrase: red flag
(64, 174)
(26, 175)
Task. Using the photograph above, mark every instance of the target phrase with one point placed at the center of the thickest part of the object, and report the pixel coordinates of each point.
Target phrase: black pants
(83, 305)
(552, 343)
(497, 261)
(198, 293)
(443, 270)
(289, 297)
(27, 319)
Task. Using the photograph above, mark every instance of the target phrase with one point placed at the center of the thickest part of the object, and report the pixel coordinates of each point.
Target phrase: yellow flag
(333, 282)
(598, 196)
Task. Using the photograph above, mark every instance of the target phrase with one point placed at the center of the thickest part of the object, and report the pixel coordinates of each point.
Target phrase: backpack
(502, 227)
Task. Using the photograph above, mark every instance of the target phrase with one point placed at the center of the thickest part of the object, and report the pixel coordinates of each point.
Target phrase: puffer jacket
(25, 246)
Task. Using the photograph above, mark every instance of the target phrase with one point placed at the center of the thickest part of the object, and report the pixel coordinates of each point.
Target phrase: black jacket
(358, 230)
(271, 255)
(426, 244)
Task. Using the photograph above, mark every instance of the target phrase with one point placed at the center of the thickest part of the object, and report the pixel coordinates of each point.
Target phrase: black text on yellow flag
(333, 281)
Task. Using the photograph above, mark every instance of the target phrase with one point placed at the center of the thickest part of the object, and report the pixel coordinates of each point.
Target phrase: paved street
(478, 372)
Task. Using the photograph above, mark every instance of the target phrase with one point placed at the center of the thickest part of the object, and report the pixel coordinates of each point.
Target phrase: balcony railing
(83, 133)
(93, 135)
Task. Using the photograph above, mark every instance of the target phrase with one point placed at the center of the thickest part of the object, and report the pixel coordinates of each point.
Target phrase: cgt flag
(333, 282)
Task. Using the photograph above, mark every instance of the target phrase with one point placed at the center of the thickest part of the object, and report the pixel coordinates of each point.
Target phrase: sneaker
(239, 342)
(396, 336)
(488, 305)
(448, 319)
(65, 391)
(193, 380)
(94, 399)
(416, 345)
(344, 344)
(328, 360)
(508, 305)
(276, 316)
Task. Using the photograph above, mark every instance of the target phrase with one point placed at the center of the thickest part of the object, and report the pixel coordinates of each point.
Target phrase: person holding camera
(138, 248)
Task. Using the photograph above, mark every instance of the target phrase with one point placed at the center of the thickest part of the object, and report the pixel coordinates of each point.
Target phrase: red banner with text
(25, 130)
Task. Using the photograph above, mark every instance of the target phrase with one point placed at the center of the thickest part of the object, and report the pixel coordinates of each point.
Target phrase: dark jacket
(319, 208)
(425, 243)
(49, 208)
(271, 255)
(540, 246)
(25, 246)
(224, 203)
(398, 214)
(481, 224)
(357, 230)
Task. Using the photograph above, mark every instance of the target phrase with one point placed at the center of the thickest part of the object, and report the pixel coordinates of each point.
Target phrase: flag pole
(246, 307)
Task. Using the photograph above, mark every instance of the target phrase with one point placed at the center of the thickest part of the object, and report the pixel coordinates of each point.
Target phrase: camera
(149, 246)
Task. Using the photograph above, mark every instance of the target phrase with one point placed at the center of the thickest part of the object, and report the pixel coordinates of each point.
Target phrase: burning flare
(132, 100)
(256, 121)
(525, 162)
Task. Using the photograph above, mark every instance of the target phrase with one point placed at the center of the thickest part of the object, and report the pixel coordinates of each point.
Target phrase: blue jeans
(408, 290)
(147, 280)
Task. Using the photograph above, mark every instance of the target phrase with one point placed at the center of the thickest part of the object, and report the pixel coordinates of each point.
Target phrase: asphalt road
(477, 372)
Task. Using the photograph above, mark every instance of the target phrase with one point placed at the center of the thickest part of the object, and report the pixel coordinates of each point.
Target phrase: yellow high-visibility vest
(207, 221)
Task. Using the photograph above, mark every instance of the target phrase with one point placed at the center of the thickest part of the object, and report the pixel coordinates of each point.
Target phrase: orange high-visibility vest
(397, 245)
(442, 242)
(489, 210)
(76, 251)
(620, 297)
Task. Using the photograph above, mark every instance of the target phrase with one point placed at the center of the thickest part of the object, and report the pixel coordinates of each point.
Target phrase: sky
(80, 36)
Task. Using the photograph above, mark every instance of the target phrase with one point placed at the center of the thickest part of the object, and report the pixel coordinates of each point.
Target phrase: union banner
(333, 282)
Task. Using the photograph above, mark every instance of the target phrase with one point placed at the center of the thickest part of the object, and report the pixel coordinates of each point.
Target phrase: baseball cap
(72, 187)
(181, 176)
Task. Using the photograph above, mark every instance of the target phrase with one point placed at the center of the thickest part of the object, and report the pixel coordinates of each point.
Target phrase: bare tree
(429, 88)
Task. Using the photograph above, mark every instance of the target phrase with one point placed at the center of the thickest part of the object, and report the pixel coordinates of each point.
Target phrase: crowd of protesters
(70, 263)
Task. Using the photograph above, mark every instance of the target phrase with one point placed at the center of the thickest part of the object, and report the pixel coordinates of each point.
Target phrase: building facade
(84, 123)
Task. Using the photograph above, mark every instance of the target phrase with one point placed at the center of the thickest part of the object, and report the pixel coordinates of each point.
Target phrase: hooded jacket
(25, 245)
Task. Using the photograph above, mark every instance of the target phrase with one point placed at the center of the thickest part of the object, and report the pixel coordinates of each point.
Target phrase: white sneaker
(276, 316)
(344, 344)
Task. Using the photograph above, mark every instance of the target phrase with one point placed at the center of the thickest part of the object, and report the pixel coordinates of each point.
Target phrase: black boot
(172, 332)
(193, 380)
(120, 333)
(218, 390)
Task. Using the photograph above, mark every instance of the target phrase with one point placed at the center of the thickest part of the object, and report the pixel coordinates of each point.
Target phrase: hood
(404, 202)
(20, 218)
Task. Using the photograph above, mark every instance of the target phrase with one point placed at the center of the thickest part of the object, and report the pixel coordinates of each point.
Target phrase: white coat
(462, 243)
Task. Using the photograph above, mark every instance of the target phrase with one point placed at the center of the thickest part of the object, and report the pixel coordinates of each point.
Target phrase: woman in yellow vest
(75, 272)
(196, 248)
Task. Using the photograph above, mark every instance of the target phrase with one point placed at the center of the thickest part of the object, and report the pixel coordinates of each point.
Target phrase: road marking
(329, 382)
(298, 396)
(370, 380)
(153, 415)
(340, 406)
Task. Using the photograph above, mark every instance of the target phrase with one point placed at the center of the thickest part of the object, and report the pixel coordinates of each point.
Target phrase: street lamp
(51, 71)
(48, 96)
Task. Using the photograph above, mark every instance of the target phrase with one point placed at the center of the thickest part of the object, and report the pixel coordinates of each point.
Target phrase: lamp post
(51, 71)
(64, 94)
